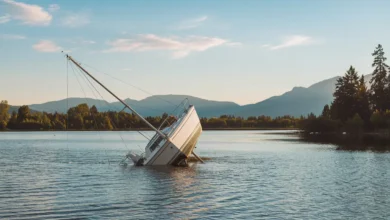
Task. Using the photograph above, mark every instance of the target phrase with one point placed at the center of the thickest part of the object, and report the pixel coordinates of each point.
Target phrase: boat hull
(180, 143)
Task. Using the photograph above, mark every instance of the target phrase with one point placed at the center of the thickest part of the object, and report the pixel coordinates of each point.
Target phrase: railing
(180, 109)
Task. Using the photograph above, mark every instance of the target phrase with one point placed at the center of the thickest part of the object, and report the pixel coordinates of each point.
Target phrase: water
(251, 175)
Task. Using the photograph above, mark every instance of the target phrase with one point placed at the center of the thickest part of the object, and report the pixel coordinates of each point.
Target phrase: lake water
(251, 175)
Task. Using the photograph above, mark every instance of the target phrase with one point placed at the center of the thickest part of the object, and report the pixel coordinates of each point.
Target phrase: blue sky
(241, 51)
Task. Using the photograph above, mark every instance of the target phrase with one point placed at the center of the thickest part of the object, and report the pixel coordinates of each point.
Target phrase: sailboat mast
(120, 100)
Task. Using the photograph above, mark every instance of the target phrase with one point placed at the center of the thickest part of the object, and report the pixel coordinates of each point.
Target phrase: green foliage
(326, 112)
(82, 117)
(23, 113)
(353, 103)
(379, 81)
(355, 124)
(4, 116)
(346, 95)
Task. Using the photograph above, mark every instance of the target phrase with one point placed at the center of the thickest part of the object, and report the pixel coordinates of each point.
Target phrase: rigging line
(131, 85)
(144, 135)
(67, 106)
(140, 106)
(113, 122)
(111, 106)
(94, 119)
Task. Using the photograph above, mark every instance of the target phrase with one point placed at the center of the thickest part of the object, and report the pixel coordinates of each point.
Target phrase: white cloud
(75, 20)
(4, 19)
(126, 69)
(234, 44)
(291, 41)
(27, 14)
(180, 47)
(46, 46)
(80, 41)
(12, 37)
(53, 8)
(192, 23)
(88, 42)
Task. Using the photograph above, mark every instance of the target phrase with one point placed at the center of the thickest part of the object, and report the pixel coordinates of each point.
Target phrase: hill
(299, 101)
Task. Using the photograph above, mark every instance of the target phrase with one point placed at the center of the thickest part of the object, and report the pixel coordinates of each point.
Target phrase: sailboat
(170, 145)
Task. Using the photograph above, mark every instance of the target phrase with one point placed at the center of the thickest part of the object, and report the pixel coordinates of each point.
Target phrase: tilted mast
(120, 100)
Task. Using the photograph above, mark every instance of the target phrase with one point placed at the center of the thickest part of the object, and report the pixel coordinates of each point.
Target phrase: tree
(345, 104)
(4, 116)
(82, 109)
(377, 120)
(107, 123)
(355, 124)
(23, 113)
(363, 102)
(379, 80)
(93, 110)
(326, 112)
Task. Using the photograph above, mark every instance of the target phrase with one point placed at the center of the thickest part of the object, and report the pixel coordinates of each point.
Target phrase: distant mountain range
(299, 101)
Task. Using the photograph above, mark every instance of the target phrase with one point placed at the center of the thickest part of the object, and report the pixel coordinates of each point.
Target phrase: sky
(241, 51)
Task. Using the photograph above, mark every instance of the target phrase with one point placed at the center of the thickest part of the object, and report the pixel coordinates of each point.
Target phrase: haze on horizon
(240, 51)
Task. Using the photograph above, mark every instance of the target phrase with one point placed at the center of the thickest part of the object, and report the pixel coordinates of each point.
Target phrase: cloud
(127, 69)
(27, 14)
(234, 44)
(53, 8)
(46, 46)
(80, 41)
(291, 41)
(192, 23)
(88, 42)
(75, 20)
(12, 37)
(181, 47)
(4, 19)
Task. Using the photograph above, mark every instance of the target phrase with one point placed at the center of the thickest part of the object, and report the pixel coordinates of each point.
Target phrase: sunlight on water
(251, 175)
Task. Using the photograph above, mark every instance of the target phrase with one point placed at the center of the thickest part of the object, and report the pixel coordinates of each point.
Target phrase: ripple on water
(248, 177)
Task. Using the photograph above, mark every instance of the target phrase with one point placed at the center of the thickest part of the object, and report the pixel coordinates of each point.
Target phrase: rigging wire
(137, 105)
(85, 95)
(171, 113)
(67, 106)
(130, 85)
(89, 85)
(144, 135)
(108, 104)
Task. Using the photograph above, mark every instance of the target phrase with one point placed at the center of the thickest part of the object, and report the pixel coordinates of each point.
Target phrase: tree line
(355, 107)
(83, 117)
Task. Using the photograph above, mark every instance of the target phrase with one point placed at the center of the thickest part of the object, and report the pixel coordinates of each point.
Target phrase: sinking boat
(170, 145)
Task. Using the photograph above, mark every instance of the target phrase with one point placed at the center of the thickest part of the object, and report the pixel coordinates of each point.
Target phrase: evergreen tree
(326, 112)
(346, 95)
(379, 80)
(363, 104)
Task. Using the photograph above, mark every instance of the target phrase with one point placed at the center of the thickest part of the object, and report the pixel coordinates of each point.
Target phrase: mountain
(299, 101)
(150, 106)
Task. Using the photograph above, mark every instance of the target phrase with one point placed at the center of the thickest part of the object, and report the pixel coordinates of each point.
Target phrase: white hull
(181, 141)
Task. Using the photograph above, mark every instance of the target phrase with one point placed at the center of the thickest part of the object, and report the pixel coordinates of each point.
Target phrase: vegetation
(83, 117)
(355, 108)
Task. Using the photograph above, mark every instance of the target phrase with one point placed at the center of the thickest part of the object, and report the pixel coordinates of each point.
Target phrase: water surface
(251, 175)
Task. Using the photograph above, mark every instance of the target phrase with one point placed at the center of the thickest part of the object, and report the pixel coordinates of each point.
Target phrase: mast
(120, 100)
